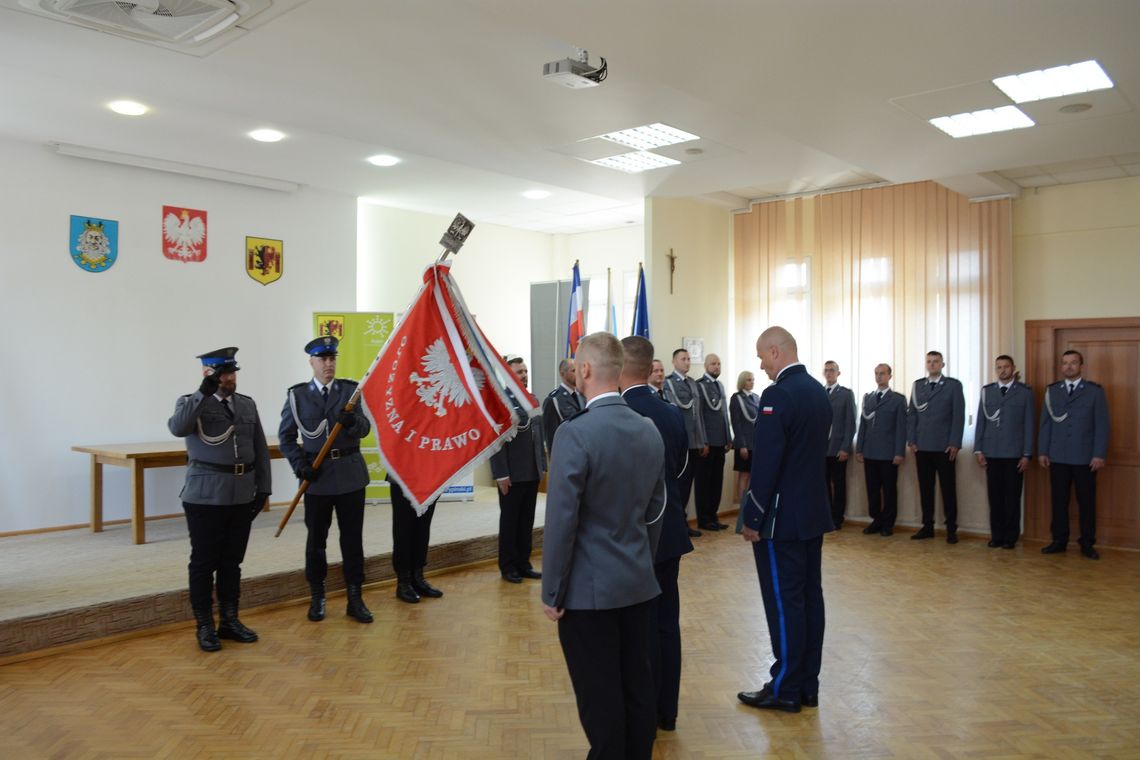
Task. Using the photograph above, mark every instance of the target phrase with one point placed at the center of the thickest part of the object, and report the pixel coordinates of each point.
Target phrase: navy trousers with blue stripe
(790, 584)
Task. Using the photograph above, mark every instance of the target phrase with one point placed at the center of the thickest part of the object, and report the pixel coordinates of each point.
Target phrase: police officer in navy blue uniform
(881, 447)
(1073, 445)
(786, 513)
(517, 468)
(934, 423)
(665, 639)
(840, 440)
(311, 411)
(227, 485)
(708, 479)
(1003, 445)
(562, 403)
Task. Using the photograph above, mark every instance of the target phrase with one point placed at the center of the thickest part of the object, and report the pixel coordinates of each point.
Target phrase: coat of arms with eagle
(440, 384)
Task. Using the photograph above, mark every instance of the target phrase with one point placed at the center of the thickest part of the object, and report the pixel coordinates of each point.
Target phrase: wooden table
(137, 457)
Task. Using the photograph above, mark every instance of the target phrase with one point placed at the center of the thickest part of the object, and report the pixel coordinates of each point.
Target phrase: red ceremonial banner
(433, 397)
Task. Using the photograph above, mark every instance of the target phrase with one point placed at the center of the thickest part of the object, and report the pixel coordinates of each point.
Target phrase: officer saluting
(311, 410)
(227, 484)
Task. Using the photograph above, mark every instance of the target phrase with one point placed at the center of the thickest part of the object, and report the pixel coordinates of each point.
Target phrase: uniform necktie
(932, 384)
(881, 395)
(226, 408)
(1003, 390)
(1071, 386)
(325, 393)
(830, 388)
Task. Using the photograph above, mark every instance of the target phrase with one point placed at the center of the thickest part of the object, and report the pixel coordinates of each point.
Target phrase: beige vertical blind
(880, 275)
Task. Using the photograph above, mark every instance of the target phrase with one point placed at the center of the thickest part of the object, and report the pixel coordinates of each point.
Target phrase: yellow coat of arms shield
(264, 259)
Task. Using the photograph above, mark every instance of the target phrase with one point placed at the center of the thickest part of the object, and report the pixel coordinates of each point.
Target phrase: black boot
(356, 608)
(422, 587)
(317, 601)
(207, 636)
(405, 591)
(229, 627)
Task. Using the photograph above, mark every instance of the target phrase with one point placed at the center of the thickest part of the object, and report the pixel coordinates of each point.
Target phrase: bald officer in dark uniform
(562, 403)
(311, 410)
(1073, 446)
(708, 477)
(227, 484)
(1003, 445)
(603, 520)
(665, 639)
(786, 513)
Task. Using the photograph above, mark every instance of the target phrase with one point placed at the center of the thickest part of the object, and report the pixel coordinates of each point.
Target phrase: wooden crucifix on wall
(672, 269)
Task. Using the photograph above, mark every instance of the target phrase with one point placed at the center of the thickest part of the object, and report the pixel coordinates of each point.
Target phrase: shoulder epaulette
(1090, 382)
(298, 386)
(989, 385)
(242, 395)
(553, 393)
(576, 414)
(346, 381)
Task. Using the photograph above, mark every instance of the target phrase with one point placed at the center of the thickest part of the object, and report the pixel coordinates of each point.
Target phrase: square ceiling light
(638, 161)
(1055, 82)
(650, 136)
(983, 122)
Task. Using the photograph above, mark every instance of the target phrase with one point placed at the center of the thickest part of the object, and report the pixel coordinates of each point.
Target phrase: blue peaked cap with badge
(326, 345)
(221, 361)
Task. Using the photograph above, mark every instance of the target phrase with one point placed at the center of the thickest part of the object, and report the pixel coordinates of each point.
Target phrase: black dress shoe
(872, 528)
(1009, 545)
(534, 575)
(1088, 551)
(711, 526)
(766, 700)
(512, 577)
(993, 544)
(667, 724)
(694, 533)
(925, 532)
(886, 532)
(810, 700)
(952, 537)
(721, 526)
(1054, 548)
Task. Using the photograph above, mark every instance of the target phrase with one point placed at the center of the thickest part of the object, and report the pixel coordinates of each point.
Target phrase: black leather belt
(338, 453)
(233, 469)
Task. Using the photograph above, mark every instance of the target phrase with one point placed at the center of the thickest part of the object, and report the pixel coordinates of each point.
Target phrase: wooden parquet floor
(932, 651)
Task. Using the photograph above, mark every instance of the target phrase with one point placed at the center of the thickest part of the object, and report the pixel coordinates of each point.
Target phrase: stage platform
(66, 587)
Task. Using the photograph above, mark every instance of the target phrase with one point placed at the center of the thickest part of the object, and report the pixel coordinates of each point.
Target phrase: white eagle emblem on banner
(441, 382)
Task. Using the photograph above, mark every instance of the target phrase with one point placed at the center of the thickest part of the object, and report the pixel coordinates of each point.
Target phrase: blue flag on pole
(640, 307)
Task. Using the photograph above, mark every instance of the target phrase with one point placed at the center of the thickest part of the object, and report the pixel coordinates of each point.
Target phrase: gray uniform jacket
(1005, 422)
(604, 504)
(936, 416)
(744, 407)
(522, 459)
(213, 439)
(558, 406)
(714, 412)
(1074, 429)
(309, 417)
(842, 433)
(681, 392)
(882, 426)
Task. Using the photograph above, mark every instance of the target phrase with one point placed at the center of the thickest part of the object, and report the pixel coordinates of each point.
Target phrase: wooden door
(1111, 348)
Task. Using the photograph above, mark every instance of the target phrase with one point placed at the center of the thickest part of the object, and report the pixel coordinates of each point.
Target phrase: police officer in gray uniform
(934, 423)
(1003, 445)
(562, 403)
(709, 473)
(227, 484)
(311, 410)
(1073, 445)
(881, 447)
(517, 469)
(681, 392)
(839, 441)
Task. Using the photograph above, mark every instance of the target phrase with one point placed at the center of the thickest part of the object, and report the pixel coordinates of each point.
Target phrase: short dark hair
(680, 351)
(564, 364)
(1007, 358)
(934, 353)
(831, 361)
(1075, 353)
(638, 353)
(890, 371)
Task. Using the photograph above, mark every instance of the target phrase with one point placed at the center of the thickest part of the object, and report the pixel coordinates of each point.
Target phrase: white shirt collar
(934, 379)
(568, 389)
(678, 375)
(1073, 383)
(785, 369)
(603, 395)
(320, 385)
(1006, 385)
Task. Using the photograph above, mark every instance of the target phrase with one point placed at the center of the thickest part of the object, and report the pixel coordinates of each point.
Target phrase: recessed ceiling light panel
(632, 163)
(127, 107)
(382, 159)
(1055, 82)
(650, 136)
(267, 135)
(536, 195)
(983, 122)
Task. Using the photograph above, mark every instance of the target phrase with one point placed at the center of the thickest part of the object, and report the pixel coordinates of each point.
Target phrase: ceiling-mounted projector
(575, 73)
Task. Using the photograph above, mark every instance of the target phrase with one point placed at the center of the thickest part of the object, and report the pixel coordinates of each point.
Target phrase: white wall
(100, 358)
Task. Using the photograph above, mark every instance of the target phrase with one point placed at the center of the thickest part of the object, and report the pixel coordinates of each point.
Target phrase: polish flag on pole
(436, 393)
(576, 326)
